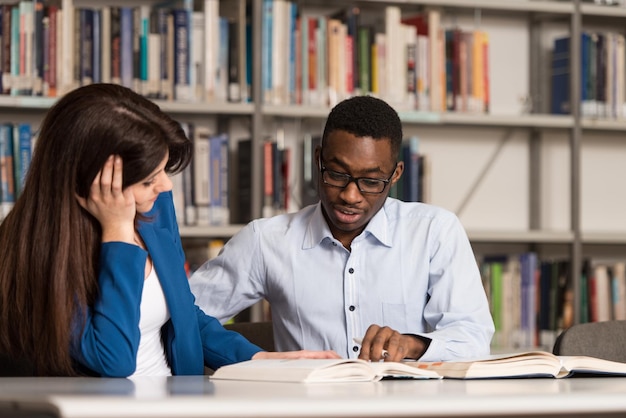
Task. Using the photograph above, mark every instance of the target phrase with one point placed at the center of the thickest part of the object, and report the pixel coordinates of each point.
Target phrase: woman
(92, 277)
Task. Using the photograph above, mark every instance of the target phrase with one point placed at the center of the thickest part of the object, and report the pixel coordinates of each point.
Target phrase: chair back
(259, 333)
(596, 339)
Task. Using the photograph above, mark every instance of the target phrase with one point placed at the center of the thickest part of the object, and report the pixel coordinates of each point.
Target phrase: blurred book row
(161, 51)
(532, 300)
(16, 143)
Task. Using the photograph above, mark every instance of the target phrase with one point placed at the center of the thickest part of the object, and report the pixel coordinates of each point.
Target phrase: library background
(513, 111)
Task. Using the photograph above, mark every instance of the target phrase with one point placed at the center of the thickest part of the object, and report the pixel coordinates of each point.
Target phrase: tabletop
(199, 396)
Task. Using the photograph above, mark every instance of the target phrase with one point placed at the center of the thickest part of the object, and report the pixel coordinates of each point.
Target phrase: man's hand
(384, 343)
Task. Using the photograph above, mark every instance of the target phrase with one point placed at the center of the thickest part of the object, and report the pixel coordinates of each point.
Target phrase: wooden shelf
(552, 237)
(225, 231)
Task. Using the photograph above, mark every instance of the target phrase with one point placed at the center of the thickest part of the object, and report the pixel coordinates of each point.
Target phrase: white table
(198, 396)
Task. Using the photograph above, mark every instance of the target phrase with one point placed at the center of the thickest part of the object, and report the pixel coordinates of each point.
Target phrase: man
(358, 264)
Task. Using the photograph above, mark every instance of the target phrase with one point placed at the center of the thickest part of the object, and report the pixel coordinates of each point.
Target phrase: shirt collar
(317, 228)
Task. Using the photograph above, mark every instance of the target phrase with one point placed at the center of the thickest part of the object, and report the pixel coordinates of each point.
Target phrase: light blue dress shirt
(411, 269)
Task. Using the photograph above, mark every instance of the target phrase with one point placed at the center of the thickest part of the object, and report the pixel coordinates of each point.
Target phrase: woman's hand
(113, 207)
(328, 354)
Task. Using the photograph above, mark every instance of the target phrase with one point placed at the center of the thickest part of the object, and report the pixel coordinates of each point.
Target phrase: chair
(596, 339)
(259, 333)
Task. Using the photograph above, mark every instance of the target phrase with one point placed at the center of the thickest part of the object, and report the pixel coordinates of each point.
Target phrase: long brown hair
(49, 244)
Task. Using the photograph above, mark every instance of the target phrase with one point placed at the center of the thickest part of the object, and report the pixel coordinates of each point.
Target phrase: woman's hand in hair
(113, 207)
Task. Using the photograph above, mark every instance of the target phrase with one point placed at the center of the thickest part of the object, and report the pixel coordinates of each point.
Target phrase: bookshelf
(518, 177)
(554, 217)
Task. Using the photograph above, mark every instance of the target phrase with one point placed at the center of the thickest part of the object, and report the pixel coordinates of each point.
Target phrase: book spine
(219, 179)
(312, 88)
(22, 149)
(116, 45)
(243, 17)
(266, 51)
(144, 50)
(96, 62)
(86, 46)
(154, 66)
(291, 53)
(221, 81)
(234, 86)
(181, 55)
(162, 29)
(45, 76)
(196, 58)
(38, 48)
(202, 174)
(6, 49)
(244, 181)
(560, 76)
(126, 47)
(26, 47)
(411, 66)
(105, 44)
(15, 51)
(137, 28)
(52, 77)
(190, 214)
(56, 73)
(321, 82)
(211, 46)
(7, 183)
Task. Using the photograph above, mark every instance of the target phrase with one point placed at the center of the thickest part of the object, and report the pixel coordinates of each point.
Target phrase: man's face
(346, 209)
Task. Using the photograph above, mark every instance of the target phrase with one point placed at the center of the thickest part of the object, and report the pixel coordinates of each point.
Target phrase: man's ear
(398, 173)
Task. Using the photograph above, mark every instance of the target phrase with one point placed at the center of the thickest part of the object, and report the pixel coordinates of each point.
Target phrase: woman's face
(147, 190)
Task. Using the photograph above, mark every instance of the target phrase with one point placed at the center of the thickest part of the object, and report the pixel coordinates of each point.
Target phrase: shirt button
(352, 308)
(350, 270)
(355, 348)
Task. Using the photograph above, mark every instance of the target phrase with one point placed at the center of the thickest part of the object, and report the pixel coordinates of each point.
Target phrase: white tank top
(154, 314)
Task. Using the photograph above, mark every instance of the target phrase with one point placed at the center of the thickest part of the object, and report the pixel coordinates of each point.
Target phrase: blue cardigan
(110, 336)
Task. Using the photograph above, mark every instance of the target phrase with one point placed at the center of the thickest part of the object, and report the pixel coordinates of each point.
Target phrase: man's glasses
(364, 184)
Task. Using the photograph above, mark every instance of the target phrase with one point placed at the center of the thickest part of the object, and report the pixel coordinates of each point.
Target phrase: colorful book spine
(221, 82)
(15, 51)
(86, 46)
(202, 174)
(5, 63)
(22, 149)
(116, 45)
(38, 47)
(218, 161)
(7, 183)
(266, 51)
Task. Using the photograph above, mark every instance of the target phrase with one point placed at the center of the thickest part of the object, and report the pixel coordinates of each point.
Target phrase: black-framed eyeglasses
(364, 184)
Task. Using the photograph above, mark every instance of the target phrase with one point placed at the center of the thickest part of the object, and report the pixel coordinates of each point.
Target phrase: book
(244, 181)
(320, 371)
(22, 149)
(524, 364)
(7, 183)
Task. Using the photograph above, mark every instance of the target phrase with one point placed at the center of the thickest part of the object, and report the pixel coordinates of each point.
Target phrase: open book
(320, 371)
(526, 364)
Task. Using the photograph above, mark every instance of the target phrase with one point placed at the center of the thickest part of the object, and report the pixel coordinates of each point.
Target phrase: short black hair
(366, 116)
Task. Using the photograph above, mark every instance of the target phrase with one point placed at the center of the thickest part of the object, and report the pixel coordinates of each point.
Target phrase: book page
(586, 364)
(299, 370)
